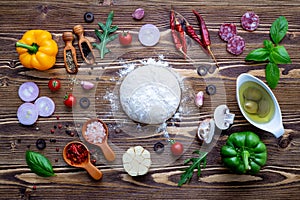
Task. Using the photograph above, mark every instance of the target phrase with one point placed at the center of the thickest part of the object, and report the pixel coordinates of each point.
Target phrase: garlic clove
(87, 85)
(199, 99)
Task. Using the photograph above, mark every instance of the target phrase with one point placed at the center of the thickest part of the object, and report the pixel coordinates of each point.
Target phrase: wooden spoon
(107, 151)
(86, 164)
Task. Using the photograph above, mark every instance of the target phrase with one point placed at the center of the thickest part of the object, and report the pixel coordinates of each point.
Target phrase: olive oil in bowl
(256, 102)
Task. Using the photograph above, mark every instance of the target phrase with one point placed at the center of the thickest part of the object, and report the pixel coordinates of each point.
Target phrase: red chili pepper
(190, 31)
(176, 39)
(203, 29)
(180, 30)
(204, 34)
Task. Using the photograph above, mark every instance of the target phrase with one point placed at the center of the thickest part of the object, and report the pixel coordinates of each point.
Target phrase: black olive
(40, 144)
(202, 70)
(68, 132)
(159, 147)
(211, 89)
(53, 140)
(88, 17)
(84, 102)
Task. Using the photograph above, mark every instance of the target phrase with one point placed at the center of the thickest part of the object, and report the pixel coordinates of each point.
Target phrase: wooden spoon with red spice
(77, 154)
(108, 153)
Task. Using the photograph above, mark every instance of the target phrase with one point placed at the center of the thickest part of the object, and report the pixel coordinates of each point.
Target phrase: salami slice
(236, 45)
(250, 21)
(227, 31)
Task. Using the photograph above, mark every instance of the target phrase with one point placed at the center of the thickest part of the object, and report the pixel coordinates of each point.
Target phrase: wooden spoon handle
(93, 171)
(108, 153)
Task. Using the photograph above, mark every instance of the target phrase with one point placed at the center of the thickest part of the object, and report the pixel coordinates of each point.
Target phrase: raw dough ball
(150, 94)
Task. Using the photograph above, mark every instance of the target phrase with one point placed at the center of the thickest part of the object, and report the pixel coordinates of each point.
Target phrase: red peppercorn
(57, 117)
(59, 126)
(57, 149)
(34, 187)
(56, 160)
(52, 131)
(72, 134)
(93, 161)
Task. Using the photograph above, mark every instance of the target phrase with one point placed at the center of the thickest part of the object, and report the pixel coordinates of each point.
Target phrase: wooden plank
(279, 179)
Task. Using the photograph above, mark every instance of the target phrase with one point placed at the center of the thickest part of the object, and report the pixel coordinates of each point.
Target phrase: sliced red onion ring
(28, 91)
(27, 114)
(149, 35)
(45, 106)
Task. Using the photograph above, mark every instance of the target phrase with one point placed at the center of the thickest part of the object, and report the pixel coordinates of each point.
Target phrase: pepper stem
(245, 156)
(212, 55)
(32, 49)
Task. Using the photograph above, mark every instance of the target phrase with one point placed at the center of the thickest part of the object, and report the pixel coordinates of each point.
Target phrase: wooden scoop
(87, 165)
(107, 151)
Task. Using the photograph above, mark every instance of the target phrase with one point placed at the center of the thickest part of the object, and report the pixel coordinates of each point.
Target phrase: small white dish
(274, 125)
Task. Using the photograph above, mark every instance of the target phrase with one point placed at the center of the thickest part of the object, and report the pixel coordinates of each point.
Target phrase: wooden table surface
(278, 179)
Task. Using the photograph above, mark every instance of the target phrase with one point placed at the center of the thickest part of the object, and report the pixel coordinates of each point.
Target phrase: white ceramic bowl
(274, 125)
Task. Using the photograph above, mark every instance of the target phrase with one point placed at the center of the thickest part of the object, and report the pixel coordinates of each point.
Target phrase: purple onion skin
(138, 14)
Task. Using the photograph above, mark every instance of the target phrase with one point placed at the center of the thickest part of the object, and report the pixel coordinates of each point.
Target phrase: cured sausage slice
(250, 21)
(227, 31)
(236, 45)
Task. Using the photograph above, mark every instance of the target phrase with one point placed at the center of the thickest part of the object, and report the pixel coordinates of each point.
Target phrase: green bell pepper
(244, 152)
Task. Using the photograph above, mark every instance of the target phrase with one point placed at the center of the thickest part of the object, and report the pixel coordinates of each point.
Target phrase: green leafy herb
(272, 52)
(197, 163)
(279, 55)
(272, 74)
(260, 54)
(39, 164)
(279, 29)
(105, 35)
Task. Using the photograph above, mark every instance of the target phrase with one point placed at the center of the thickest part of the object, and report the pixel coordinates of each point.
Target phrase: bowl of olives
(258, 104)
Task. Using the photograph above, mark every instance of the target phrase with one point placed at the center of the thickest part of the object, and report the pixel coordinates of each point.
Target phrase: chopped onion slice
(149, 35)
(27, 114)
(45, 106)
(28, 91)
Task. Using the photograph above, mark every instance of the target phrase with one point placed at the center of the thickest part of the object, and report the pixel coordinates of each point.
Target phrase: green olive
(252, 93)
(263, 108)
(250, 106)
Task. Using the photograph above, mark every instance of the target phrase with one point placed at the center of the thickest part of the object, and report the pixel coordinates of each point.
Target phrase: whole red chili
(175, 37)
(190, 31)
(204, 34)
(180, 30)
(203, 29)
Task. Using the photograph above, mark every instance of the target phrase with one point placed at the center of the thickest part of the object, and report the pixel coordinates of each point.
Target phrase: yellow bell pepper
(37, 50)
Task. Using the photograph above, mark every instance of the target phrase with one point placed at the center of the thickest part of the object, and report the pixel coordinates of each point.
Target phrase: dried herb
(105, 35)
(39, 164)
(197, 163)
(272, 52)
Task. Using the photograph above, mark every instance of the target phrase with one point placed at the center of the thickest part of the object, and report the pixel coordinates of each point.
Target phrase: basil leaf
(260, 54)
(268, 45)
(39, 164)
(279, 29)
(279, 55)
(272, 75)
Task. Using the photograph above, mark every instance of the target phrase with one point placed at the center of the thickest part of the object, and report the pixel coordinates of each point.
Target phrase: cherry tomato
(54, 85)
(177, 149)
(125, 38)
(70, 100)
